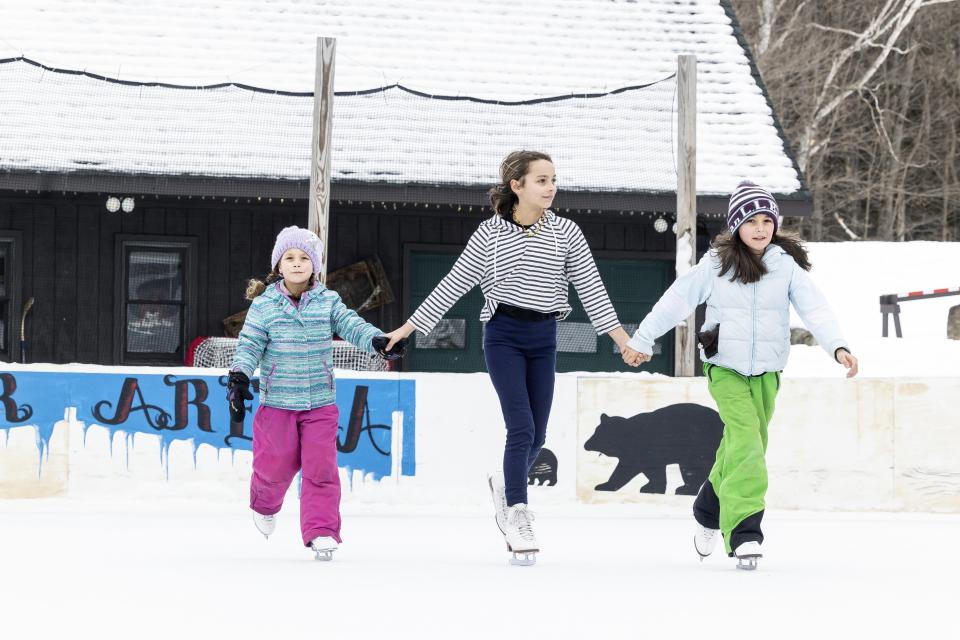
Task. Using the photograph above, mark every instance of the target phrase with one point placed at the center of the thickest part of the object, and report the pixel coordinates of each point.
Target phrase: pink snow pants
(287, 441)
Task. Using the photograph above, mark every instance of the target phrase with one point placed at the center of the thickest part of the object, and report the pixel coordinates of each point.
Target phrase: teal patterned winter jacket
(293, 347)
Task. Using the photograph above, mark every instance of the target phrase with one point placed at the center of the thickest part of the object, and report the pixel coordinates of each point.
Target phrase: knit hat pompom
(297, 238)
(748, 200)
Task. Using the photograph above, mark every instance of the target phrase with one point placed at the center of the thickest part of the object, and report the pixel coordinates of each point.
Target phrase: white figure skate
(324, 546)
(265, 524)
(704, 540)
(498, 492)
(521, 541)
(747, 555)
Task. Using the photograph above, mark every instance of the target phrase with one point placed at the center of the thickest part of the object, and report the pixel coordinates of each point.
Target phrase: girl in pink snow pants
(285, 442)
(288, 333)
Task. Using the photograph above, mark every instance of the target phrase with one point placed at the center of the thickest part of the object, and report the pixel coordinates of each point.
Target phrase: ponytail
(257, 287)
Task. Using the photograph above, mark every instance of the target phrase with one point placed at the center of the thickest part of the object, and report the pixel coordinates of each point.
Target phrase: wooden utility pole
(686, 334)
(318, 218)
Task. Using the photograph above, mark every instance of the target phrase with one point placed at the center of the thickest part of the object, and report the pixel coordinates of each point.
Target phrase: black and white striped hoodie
(529, 271)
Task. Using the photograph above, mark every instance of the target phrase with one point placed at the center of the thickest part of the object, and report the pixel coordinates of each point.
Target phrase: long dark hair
(736, 256)
(256, 287)
(514, 167)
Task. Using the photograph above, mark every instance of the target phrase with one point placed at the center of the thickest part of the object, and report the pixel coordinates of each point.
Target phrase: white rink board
(835, 444)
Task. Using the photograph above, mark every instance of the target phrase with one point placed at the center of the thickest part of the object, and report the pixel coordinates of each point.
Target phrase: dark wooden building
(138, 287)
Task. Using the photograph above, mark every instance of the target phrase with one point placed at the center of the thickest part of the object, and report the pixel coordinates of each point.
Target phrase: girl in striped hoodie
(288, 334)
(523, 258)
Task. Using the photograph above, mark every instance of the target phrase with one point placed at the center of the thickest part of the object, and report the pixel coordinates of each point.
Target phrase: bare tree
(868, 96)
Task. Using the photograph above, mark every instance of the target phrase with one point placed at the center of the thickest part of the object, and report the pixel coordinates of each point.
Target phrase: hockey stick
(23, 325)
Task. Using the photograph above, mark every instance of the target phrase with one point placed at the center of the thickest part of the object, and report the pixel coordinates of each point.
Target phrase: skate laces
(522, 517)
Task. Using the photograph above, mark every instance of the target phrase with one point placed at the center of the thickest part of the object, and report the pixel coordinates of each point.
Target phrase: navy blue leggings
(522, 360)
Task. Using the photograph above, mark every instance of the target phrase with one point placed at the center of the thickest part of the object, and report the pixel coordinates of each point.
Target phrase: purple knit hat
(297, 238)
(747, 201)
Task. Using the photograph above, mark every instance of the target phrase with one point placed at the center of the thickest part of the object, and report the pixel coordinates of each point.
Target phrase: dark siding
(431, 230)
(43, 316)
(390, 252)
(88, 288)
(633, 236)
(21, 219)
(69, 262)
(238, 254)
(220, 295)
(198, 227)
(110, 226)
(65, 307)
(614, 237)
(153, 220)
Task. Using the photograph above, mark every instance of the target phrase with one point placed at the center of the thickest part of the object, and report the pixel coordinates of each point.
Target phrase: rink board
(429, 438)
(865, 444)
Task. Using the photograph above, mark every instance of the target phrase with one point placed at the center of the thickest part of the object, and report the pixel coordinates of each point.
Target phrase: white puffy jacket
(754, 318)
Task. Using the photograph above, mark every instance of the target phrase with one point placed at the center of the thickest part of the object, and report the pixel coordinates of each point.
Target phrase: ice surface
(195, 569)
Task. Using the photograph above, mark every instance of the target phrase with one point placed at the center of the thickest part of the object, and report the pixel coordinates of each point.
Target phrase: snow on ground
(199, 569)
(853, 276)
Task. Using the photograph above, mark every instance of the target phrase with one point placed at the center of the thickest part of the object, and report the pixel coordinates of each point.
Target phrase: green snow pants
(739, 474)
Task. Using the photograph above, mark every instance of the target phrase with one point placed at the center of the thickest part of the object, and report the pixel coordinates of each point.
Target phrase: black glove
(397, 352)
(238, 391)
(709, 341)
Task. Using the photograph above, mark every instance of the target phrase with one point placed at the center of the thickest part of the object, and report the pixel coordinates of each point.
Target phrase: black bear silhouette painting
(683, 434)
(544, 469)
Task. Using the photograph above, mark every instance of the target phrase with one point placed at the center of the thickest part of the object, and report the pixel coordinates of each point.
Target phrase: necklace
(532, 229)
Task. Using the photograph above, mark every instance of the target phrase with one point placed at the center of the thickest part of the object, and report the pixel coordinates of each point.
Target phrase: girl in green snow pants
(732, 498)
(748, 280)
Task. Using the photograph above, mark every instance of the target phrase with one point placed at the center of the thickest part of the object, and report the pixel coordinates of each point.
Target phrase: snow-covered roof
(496, 50)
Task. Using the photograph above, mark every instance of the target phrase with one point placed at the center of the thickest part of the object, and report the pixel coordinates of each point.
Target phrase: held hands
(397, 351)
(634, 358)
(397, 335)
(848, 360)
(238, 391)
(630, 357)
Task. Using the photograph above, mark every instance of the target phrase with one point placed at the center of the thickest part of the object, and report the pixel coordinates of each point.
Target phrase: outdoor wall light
(113, 204)
(127, 205)
(660, 225)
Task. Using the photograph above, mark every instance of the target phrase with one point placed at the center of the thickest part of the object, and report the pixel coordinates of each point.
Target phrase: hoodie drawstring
(556, 246)
(496, 245)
